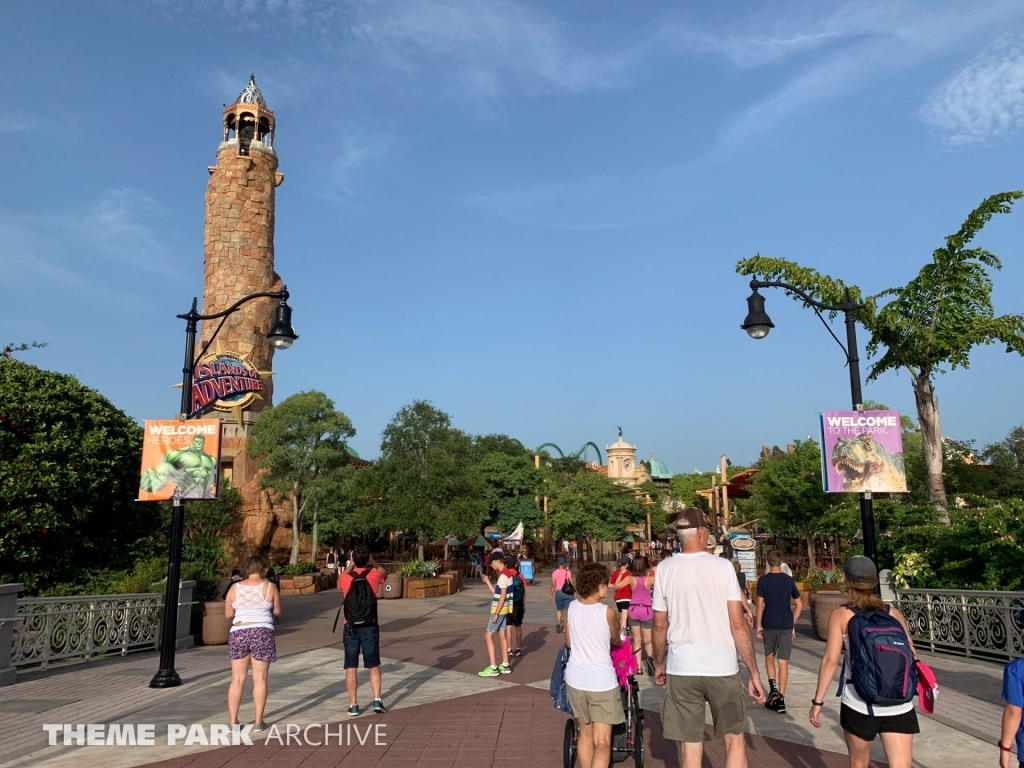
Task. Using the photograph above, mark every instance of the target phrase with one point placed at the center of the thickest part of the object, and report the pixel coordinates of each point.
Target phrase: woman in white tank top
(251, 604)
(591, 629)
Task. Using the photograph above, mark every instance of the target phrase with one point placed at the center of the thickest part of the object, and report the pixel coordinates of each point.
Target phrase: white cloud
(833, 50)
(488, 45)
(74, 249)
(467, 49)
(118, 226)
(984, 101)
(17, 124)
(356, 151)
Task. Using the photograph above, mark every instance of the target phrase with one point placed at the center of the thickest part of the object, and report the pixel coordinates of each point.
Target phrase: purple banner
(862, 451)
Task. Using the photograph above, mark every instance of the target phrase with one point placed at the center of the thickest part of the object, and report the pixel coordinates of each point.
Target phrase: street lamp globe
(757, 323)
(281, 333)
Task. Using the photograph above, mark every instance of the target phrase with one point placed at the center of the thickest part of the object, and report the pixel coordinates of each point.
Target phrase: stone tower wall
(238, 248)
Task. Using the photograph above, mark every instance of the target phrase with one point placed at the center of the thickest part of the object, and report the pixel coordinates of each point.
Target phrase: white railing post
(8, 618)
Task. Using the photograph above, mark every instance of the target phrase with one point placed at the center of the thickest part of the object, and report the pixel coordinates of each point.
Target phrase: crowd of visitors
(687, 621)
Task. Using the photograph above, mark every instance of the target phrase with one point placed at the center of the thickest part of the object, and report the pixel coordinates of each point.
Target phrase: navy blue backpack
(881, 660)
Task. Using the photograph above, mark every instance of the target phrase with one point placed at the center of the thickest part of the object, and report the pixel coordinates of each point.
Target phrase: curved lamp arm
(194, 316)
(849, 305)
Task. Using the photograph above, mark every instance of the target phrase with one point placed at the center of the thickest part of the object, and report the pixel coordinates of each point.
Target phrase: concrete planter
(216, 626)
(822, 605)
(436, 587)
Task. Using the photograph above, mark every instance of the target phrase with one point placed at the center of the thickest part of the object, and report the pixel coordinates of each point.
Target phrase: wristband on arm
(817, 703)
(1005, 749)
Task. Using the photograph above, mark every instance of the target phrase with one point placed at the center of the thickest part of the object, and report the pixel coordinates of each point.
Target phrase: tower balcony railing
(975, 624)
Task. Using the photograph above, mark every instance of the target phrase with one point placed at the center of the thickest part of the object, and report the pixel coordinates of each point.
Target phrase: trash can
(392, 587)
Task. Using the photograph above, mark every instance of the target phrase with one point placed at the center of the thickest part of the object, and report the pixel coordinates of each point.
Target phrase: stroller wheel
(569, 744)
(638, 744)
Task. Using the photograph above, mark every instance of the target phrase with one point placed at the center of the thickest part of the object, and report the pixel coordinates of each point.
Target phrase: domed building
(657, 472)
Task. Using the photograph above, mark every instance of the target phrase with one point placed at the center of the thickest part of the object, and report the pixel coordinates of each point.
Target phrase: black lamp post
(281, 335)
(757, 325)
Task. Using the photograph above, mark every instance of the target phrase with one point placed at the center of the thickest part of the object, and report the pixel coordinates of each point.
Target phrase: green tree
(512, 485)
(426, 479)
(1008, 453)
(300, 443)
(595, 506)
(684, 488)
(786, 494)
(69, 476)
(9, 350)
(933, 321)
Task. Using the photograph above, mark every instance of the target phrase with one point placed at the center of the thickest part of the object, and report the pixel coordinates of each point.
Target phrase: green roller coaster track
(581, 453)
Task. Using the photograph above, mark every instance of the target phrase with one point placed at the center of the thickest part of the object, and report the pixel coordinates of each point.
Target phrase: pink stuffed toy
(624, 662)
(927, 688)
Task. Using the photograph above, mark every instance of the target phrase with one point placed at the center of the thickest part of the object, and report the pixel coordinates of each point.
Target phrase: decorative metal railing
(54, 628)
(976, 624)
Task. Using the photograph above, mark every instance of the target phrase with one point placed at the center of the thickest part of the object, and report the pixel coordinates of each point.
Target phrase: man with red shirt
(623, 595)
(366, 636)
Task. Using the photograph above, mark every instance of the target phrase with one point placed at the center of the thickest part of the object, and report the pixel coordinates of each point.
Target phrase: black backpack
(518, 590)
(360, 602)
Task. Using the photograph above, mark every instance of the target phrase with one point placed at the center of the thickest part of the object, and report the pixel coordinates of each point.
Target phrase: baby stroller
(627, 737)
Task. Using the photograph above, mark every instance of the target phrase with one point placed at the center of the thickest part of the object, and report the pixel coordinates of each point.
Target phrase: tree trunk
(296, 527)
(316, 526)
(931, 442)
(419, 548)
(811, 563)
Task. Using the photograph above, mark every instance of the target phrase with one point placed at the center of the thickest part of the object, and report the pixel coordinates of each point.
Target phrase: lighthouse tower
(238, 260)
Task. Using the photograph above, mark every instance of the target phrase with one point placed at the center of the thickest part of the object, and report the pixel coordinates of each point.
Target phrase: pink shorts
(257, 642)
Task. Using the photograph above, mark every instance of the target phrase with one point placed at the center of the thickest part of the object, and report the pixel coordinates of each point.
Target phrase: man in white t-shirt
(698, 629)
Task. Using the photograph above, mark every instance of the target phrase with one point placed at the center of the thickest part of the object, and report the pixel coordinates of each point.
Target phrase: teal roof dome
(659, 470)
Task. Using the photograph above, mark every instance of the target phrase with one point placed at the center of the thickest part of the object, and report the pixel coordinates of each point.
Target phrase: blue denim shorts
(365, 639)
(562, 600)
(496, 626)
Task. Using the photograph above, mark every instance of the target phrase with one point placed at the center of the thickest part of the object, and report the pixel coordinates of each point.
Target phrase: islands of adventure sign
(862, 451)
(225, 381)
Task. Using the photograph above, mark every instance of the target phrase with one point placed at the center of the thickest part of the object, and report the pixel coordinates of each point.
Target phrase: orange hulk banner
(180, 460)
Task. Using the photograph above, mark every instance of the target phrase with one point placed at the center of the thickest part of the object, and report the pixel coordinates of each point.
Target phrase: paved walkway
(442, 715)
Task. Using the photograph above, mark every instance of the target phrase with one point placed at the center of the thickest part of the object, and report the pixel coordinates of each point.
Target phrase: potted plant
(803, 583)
(828, 596)
(420, 579)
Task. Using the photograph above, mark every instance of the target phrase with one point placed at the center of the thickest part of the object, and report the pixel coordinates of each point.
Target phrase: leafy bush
(821, 577)
(299, 569)
(414, 569)
(69, 463)
(980, 549)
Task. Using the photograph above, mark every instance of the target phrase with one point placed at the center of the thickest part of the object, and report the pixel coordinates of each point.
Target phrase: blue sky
(527, 213)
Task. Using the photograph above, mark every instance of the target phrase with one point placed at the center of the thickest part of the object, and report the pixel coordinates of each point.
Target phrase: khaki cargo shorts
(596, 706)
(683, 715)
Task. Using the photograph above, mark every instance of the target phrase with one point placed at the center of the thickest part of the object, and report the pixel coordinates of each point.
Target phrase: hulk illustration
(193, 472)
(866, 466)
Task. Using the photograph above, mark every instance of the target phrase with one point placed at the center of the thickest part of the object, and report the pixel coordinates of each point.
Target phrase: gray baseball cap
(861, 571)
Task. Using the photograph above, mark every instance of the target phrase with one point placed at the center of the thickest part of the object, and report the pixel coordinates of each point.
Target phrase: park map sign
(862, 451)
(180, 460)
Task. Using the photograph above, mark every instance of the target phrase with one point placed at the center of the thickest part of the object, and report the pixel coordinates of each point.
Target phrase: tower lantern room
(248, 122)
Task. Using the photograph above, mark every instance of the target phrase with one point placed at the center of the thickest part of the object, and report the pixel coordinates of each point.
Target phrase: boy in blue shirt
(1013, 695)
(776, 626)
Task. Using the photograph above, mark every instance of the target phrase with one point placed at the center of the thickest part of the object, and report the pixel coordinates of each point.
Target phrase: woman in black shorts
(895, 725)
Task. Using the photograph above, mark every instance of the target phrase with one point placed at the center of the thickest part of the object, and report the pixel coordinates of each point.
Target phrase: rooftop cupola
(248, 121)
